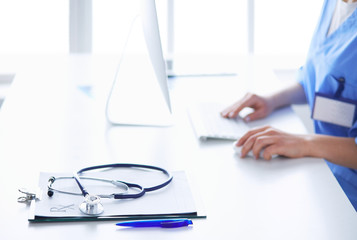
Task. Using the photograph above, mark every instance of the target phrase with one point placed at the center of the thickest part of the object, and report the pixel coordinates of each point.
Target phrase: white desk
(48, 124)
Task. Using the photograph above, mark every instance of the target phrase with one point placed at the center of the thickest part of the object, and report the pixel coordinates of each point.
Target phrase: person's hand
(262, 107)
(273, 142)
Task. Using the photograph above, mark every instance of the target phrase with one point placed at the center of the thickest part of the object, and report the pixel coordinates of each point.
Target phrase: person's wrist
(271, 102)
(309, 146)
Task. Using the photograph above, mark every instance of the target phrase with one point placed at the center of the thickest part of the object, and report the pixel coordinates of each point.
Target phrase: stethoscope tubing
(132, 165)
(80, 185)
(127, 185)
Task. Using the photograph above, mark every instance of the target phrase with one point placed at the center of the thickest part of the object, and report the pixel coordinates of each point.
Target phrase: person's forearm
(292, 95)
(338, 150)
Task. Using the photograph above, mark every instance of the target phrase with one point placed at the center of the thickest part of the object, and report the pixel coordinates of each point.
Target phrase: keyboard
(207, 122)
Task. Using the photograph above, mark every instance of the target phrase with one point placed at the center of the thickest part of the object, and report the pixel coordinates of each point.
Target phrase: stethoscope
(92, 203)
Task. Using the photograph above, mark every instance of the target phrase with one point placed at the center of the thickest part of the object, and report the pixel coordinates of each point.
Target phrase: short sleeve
(300, 76)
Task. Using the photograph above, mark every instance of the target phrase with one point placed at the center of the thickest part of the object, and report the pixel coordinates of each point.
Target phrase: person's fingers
(271, 142)
(239, 107)
(261, 143)
(258, 114)
(289, 146)
(270, 151)
(257, 137)
(233, 110)
(249, 143)
(250, 133)
(225, 113)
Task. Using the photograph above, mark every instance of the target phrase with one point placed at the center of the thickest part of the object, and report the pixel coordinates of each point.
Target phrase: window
(285, 27)
(200, 26)
(33, 27)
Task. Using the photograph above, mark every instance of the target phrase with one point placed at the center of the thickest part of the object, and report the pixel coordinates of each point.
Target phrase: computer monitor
(139, 94)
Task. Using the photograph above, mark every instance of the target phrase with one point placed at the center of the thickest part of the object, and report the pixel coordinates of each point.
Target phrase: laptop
(207, 122)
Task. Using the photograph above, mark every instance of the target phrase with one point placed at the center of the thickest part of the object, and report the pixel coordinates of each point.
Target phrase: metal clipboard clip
(28, 196)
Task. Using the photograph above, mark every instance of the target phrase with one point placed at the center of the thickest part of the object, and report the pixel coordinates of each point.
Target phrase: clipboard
(173, 201)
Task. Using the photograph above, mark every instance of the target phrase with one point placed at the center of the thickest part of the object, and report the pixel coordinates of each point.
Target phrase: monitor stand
(136, 97)
(139, 94)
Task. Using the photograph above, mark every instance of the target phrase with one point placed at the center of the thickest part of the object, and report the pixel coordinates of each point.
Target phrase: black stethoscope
(92, 204)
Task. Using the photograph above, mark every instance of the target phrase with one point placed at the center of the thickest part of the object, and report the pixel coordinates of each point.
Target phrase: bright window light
(34, 27)
(200, 26)
(285, 27)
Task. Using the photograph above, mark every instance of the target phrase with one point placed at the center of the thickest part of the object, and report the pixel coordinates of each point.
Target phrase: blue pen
(164, 223)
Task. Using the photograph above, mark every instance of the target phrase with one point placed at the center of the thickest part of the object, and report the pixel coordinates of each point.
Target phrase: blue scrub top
(329, 59)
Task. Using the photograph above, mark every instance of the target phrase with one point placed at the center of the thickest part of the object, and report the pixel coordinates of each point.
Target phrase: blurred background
(277, 29)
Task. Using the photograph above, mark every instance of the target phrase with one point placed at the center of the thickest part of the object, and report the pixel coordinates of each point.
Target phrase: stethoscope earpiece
(50, 193)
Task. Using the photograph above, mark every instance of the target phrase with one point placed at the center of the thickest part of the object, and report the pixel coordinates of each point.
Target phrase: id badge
(332, 110)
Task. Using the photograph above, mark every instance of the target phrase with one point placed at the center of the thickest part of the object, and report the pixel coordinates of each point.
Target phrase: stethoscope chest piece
(91, 205)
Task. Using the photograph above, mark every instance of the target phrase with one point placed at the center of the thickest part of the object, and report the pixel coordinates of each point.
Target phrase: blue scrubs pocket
(337, 94)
